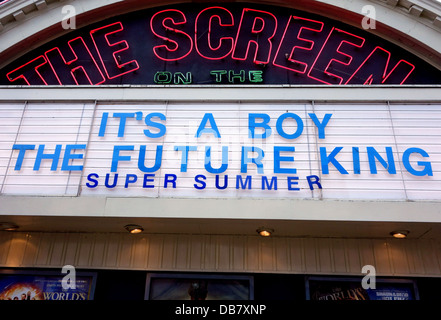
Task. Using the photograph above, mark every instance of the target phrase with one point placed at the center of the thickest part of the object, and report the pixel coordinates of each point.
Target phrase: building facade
(202, 124)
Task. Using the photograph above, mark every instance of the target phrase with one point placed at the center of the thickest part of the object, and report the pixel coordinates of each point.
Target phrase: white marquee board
(409, 134)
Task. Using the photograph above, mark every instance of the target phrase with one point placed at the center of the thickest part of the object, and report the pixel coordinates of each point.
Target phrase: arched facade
(347, 117)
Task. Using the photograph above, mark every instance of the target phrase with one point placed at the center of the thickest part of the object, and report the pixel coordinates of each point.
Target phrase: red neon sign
(117, 68)
(25, 71)
(87, 68)
(380, 58)
(224, 19)
(323, 63)
(170, 50)
(296, 31)
(254, 25)
(319, 52)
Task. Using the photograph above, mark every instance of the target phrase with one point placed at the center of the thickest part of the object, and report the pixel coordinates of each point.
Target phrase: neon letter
(218, 74)
(163, 77)
(258, 28)
(29, 72)
(80, 69)
(204, 43)
(295, 57)
(324, 69)
(112, 53)
(374, 70)
(233, 75)
(178, 43)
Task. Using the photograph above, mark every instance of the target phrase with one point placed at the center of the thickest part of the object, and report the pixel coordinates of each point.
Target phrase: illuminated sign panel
(229, 44)
(227, 150)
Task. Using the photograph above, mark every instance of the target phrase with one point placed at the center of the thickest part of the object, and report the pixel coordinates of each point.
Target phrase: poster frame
(53, 273)
(198, 276)
(411, 283)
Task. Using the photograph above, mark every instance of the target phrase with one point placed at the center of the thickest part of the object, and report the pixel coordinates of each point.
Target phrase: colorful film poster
(45, 287)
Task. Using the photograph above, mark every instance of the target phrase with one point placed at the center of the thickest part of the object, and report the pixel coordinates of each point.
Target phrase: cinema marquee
(201, 123)
(231, 44)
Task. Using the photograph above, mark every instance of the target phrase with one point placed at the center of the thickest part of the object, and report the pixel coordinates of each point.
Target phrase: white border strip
(279, 93)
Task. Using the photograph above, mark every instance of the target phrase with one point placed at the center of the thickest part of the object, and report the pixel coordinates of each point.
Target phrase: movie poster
(196, 287)
(352, 289)
(17, 286)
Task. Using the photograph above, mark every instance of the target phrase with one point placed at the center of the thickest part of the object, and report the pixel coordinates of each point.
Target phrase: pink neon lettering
(215, 36)
(325, 70)
(296, 31)
(100, 38)
(379, 60)
(28, 70)
(204, 44)
(178, 44)
(81, 69)
(255, 28)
